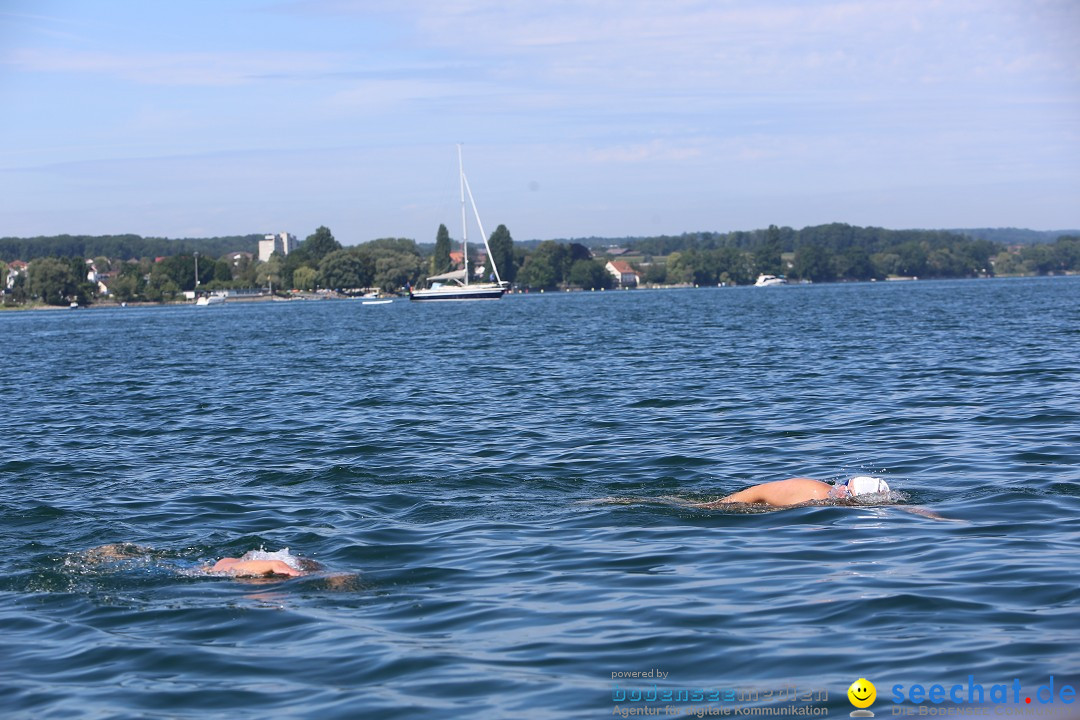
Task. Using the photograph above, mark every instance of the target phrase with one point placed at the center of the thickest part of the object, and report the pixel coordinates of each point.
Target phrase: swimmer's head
(866, 485)
(309, 565)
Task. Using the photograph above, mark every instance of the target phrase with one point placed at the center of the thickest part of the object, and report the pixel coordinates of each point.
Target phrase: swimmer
(259, 563)
(254, 563)
(796, 491)
(793, 492)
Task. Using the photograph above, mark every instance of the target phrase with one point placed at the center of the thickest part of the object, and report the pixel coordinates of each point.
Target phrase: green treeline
(826, 253)
(129, 268)
(553, 264)
(321, 262)
(121, 246)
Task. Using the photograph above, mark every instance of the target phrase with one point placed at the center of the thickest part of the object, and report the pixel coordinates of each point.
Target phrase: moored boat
(455, 285)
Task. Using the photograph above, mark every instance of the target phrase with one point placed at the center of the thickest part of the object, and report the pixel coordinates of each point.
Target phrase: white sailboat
(215, 298)
(455, 285)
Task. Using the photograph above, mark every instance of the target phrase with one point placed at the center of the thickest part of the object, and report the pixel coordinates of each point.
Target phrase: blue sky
(606, 117)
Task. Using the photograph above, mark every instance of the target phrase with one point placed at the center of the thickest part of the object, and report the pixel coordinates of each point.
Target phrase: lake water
(447, 456)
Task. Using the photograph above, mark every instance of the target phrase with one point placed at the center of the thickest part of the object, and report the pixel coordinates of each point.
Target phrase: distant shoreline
(320, 298)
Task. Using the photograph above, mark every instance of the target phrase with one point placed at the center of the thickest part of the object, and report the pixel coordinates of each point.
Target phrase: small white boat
(769, 281)
(376, 302)
(210, 300)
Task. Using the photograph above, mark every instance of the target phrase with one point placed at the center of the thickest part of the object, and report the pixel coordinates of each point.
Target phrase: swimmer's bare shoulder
(242, 568)
(238, 567)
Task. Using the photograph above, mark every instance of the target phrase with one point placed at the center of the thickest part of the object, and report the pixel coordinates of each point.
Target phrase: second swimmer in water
(254, 563)
(259, 563)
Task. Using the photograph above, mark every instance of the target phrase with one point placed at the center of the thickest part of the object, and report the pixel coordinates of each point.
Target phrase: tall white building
(283, 243)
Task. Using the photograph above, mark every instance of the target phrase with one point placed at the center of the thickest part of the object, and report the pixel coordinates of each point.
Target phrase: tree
(885, 264)
(589, 274)
(160, 286)
(440, 260)
(501, 246)
(813, 262)
(913, 258)
(1067, 252)
(573, 253)
(125, 288)
(269, 273)
(180, 269)
(393, 262)
(305, 278)
(402, 245)
(1039, 259)
(768, 254)
(222, 272)
(53, 280)
(544, 268)
(1007, 263)
(943, 262)
(346, 270)
(129, 284)
(319, 245)
(733, 265)
(679, 268)
(855, 263)
(120, 247)
(291, 263)
(245, 271)
(655, 274)
(394, 270)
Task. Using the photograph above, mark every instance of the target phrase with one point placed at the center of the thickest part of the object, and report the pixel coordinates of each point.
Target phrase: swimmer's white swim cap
(866, 485)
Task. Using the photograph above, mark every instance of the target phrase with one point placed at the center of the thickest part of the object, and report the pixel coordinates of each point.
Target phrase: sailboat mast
(491, 258)
(464, 224)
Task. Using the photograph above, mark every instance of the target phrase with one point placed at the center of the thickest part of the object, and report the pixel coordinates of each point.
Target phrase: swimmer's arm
(778, 494)
(925, 513)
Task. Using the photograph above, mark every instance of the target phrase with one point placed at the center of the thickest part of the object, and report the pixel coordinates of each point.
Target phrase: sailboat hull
(462, 292)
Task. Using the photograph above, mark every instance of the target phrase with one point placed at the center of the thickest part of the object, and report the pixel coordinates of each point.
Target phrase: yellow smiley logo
(862, 693)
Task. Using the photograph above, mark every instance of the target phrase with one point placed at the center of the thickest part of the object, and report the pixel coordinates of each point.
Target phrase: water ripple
(446, 460)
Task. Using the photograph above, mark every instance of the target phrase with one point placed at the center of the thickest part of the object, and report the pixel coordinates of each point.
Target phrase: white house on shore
(625, 275)
(281, 243)
(15, 269)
